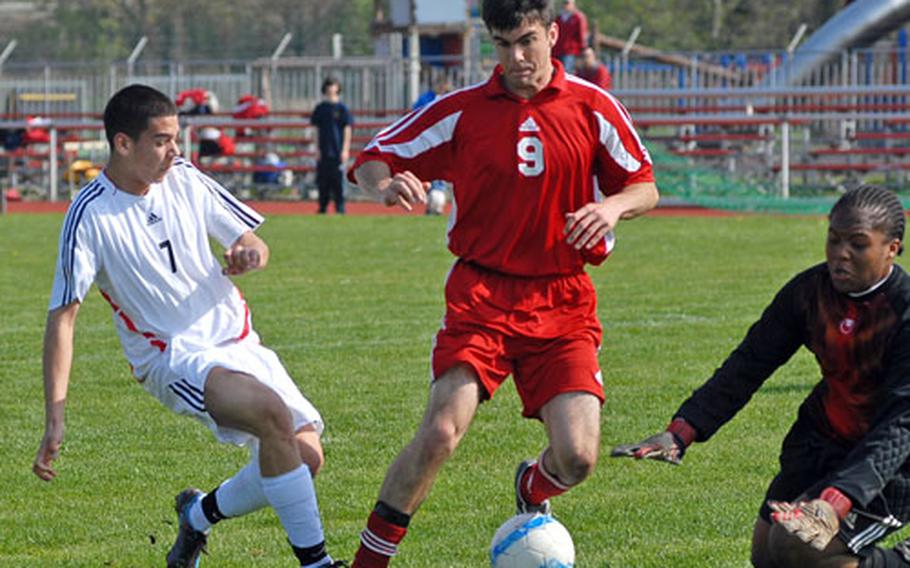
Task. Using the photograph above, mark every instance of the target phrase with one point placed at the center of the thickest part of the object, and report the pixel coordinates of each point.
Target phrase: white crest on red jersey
(847, 325)
(529, 125)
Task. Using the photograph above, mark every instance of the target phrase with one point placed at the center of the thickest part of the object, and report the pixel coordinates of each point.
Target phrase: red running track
(353, 208)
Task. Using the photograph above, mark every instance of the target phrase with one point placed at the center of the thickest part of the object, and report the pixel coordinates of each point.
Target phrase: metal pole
(414, 60)
(53, 165)
(282, 45)
(131, 60)
(337, 46)
(273, 66)
(785, 160)
(625, 54)
(791, 47)
(188, 143)
(47, 89)
(7, 51)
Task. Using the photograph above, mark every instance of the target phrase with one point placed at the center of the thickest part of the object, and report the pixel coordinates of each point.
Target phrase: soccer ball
(436, 201)
(532, 540)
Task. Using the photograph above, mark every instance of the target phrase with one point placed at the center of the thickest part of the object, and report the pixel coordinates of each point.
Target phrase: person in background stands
(333, 122)
(573, 35)
(592, 70)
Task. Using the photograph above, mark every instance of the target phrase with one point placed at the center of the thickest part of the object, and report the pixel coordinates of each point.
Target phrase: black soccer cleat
(521, 505)
(190, 544)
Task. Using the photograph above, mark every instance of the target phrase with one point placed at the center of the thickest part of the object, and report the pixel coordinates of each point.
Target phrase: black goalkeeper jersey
(862, 345)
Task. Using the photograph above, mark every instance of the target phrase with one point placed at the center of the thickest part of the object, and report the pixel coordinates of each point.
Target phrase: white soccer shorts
(177, 379)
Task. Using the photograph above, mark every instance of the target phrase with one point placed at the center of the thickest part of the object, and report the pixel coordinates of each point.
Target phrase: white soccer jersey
(150, 258)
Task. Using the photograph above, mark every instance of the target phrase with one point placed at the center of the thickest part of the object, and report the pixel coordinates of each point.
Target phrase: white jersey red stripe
(150, 256)
(517, 167)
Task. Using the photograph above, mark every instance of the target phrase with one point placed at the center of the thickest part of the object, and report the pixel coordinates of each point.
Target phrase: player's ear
(552, 34)
(123, 144)
(895, 247)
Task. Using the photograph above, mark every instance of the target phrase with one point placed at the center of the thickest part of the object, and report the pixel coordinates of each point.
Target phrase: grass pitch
(351, 305)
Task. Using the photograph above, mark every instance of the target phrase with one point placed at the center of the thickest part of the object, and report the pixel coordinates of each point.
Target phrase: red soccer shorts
(542, 331)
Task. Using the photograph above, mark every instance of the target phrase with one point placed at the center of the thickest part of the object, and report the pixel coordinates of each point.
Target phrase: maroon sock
(379, 541)
(537, 485)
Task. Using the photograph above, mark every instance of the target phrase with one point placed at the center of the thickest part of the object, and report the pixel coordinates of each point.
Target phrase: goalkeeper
(844, 479)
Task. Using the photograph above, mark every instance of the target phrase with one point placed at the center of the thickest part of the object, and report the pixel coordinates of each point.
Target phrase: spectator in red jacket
(573, 35)
(591, 69)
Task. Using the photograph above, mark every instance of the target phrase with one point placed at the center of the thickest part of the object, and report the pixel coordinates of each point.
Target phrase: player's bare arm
(58, 359)
(346, 144)
(403, 189)
(590, 224)
(249, 252)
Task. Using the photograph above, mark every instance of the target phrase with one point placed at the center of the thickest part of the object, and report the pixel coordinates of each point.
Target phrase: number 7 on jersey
(166, 245)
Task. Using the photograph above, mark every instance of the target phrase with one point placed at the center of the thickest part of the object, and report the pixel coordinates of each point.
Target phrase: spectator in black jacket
(844, 479)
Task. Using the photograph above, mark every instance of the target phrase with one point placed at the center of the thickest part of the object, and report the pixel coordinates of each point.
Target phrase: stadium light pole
(134, 55)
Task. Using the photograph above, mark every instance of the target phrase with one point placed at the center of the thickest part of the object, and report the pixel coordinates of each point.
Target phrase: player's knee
(575, 466)
(438, 439)
(312, 455)
(786, 550)
(273, 419)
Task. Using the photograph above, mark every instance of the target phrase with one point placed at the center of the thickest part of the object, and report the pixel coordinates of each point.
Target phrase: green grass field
(351, 305)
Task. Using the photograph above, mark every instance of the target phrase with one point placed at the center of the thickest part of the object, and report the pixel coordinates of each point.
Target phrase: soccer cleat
(521, 505)
(190, 543)
(338, 564)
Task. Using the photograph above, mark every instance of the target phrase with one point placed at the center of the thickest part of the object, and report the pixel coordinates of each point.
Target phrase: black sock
(210, 508)
(391, 515)
(310, 554)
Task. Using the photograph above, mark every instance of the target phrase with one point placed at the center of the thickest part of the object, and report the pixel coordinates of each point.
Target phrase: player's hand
(406, 191)
(669, 445)
(48, 451)
(661, 447)
(814, 522)
(589, 225)
(241, 259)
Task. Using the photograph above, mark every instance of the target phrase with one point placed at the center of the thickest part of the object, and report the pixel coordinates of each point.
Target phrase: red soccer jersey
(518, 166)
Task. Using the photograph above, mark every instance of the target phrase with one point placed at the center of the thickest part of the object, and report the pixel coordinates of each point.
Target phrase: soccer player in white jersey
(140, 232)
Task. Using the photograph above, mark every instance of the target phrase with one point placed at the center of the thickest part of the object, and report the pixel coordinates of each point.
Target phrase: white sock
(242, 493)
(235, 497)
(293, 498)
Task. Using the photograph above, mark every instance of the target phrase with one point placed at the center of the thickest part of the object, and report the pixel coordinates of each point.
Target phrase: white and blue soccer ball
(532, 540)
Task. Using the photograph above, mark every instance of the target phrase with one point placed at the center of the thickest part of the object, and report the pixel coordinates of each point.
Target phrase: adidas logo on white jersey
(152, 218)
(529, 126)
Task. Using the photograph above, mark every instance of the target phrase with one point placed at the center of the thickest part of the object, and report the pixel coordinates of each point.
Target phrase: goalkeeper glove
(668, 446)
(814, 522)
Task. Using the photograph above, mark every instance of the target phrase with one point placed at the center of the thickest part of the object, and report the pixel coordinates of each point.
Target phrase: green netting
(754, 186)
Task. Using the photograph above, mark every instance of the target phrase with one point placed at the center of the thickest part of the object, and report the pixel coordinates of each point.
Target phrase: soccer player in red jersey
(845, 464)
(543, 166)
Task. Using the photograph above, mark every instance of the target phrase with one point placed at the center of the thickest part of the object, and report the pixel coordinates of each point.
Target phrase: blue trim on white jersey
(190, 395)
(68, 248)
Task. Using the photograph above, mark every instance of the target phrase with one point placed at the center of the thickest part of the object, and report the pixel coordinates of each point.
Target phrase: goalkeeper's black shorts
(806, 460)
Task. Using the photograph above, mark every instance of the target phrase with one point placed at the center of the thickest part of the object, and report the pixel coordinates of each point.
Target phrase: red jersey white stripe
(518, 166)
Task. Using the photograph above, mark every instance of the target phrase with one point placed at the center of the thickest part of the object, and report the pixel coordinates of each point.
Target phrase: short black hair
(507, 15)
(329, 81)
(886, 212)
(130, 109)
